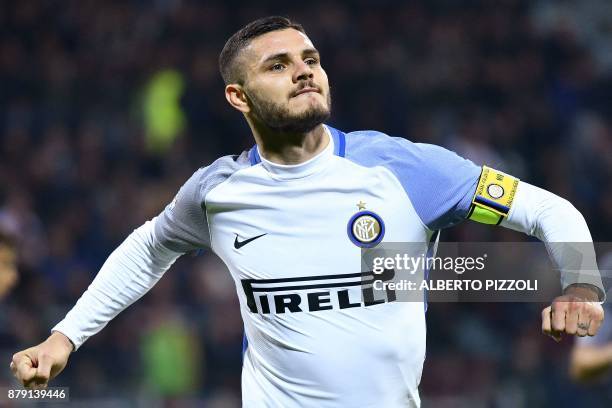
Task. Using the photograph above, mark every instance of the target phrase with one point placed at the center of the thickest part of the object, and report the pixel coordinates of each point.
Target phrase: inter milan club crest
(495, 190)
(365, 228)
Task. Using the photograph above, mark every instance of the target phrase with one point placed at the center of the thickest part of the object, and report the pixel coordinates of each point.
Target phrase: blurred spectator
(591, 362)
(8, 265)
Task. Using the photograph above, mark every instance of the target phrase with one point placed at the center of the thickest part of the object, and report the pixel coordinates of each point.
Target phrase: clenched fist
(35, 366)
(577, 312)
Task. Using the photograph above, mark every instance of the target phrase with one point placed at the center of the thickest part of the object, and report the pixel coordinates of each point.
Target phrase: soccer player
(289, 218)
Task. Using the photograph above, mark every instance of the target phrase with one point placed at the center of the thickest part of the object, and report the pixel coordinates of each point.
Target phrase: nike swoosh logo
(240, 244)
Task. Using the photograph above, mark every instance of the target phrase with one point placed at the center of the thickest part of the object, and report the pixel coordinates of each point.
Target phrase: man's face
(285, 84)
(8, 270)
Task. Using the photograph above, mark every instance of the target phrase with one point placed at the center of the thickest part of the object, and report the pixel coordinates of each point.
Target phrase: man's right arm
(139, 262)
(128, 273)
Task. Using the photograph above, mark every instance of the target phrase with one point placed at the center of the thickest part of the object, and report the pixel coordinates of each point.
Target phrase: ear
(234, 93)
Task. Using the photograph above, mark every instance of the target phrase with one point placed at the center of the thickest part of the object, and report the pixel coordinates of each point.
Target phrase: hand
(577, 312)
(35, 366)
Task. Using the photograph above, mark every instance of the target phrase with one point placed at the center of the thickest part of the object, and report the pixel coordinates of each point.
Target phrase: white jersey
(291, 237)
(314, 338)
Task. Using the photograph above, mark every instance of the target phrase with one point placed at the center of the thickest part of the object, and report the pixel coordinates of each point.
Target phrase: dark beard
(277, 117)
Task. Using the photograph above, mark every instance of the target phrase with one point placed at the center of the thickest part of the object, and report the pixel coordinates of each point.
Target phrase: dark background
(523, 86)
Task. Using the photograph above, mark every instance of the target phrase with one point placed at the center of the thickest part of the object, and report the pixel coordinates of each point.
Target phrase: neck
(290, 148)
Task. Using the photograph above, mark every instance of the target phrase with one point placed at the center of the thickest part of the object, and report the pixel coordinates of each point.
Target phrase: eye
(277, 67)
(311, 61)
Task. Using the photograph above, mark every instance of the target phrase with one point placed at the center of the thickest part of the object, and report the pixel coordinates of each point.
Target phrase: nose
(302, 72)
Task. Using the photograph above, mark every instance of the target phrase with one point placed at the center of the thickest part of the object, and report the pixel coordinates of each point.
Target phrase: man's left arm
(556, 222)
(445, 189)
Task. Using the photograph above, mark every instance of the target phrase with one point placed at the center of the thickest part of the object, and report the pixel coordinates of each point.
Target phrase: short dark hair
(243, 37)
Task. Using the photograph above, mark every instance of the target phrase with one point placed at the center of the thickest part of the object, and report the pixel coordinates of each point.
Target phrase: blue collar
(338, 137)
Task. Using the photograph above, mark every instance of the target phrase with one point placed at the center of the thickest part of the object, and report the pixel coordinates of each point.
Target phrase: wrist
(63, 340)
(583, 291)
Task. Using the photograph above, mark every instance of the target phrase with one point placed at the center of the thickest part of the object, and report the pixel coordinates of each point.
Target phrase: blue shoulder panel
(439, 183)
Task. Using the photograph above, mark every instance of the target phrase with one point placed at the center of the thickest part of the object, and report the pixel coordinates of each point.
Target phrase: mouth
(306, 90)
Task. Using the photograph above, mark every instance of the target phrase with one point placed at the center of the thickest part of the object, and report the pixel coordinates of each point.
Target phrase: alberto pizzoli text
(460, 285)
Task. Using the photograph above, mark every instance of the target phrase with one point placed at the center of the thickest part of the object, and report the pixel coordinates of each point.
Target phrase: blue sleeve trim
(339, 141)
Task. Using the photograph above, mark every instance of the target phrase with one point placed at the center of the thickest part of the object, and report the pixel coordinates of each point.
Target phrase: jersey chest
(267, 229)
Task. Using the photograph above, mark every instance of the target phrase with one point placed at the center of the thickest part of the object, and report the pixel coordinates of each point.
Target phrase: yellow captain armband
(494, 196)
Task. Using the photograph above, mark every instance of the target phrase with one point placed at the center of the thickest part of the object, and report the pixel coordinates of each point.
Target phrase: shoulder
(371, 148)
(439, 182)
(372, 141)
(206, 178)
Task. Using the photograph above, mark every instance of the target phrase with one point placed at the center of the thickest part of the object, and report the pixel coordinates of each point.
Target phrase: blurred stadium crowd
(106, 108)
